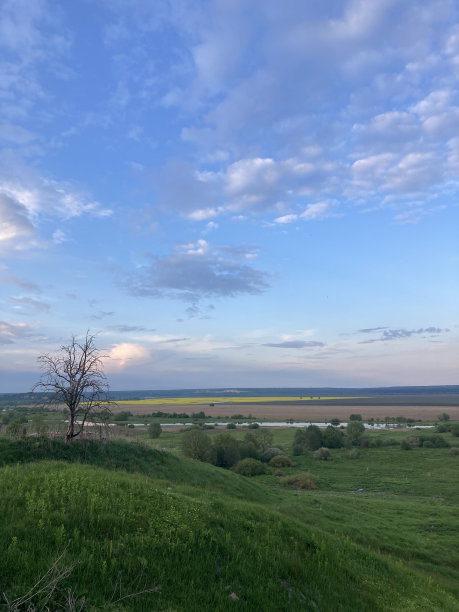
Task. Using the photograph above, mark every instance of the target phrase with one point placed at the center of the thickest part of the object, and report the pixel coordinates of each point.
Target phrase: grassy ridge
(192, 554)
(194, 534)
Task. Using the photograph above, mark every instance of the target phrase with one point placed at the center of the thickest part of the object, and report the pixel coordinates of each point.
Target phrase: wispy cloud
(295, 344)
(196, 273)
(27, 303)
(399, 334)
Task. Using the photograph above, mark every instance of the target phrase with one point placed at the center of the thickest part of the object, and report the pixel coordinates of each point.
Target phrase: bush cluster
(280, 461)
(312, 438)
(323, 454)
(434, 441)
(226, 451)
(304, 480)
(249, 467)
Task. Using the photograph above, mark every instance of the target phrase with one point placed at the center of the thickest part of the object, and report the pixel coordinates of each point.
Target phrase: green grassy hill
(119, 526)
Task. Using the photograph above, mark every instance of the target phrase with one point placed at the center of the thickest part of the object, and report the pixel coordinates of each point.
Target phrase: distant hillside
(439, 391)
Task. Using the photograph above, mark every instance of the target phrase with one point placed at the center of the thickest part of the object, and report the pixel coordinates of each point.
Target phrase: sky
(231, 193)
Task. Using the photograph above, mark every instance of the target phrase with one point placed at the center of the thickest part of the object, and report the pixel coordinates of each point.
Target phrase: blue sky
(231, 193)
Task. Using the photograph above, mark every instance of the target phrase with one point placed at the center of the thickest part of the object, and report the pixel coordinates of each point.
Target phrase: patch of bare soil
(308, 412)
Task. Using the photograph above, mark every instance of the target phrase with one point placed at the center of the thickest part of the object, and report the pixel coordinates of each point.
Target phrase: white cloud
(126, 355)
(26, 198)
(286, 219)
(202, 214)
(200, 247)
(316, 211)
(16, 231)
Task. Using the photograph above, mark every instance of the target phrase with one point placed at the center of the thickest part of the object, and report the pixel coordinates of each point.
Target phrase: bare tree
(74, 377)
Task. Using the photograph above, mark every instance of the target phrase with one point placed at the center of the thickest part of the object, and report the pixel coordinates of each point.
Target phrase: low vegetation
(226, 519)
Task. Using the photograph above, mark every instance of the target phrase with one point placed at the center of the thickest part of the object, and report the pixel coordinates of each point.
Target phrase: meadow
(133, 524)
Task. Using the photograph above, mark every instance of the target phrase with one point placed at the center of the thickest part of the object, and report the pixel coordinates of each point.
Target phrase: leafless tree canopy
(74, 377)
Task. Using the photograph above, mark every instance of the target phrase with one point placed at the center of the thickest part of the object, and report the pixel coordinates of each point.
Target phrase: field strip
(190, 401)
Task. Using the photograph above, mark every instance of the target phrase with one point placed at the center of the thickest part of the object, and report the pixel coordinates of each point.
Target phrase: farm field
(302, 412)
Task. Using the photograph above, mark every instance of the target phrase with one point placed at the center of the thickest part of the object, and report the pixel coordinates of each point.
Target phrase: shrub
(443, 417)
(354, 453)
(413, 441)
(231, 426)
(298, 449)
(16, 430)
(309, 438)
(405, 445)
(280, 461)
(154, 430)
(304, 480)
(261, 438)
(253, 426)
(249, 467)
(323, 454)
(335, 422)
(355, 417)
(123, 415)
(455, 429)
(365, 442)
(248, 449)
(196, 444)
(354, 431)
(443, 428)
(39, 426)
(269, 453)
(225, 452)
(390, 442)
(433, 442)
(332, 437)
(454, 450)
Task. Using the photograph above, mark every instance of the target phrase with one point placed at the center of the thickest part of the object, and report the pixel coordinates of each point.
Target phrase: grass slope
(201, 538)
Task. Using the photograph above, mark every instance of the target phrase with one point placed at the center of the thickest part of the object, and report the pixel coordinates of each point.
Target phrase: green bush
(269, 453)
(123, 415)
(355, 417)
(354, 431)
(455, 429)
(253, 426)
(248, 449)
(38, 425)
(323, 454)
(454, 450)
(332, 437)
(225, 451)
(354, 453)
(433, 442)
(262, 438)
(405, 445)
(249, 467)
(280, 461)
(154, 430)
(16, 430)
(304, 480)
(390, 442)
(196, 444)
(306, 439)
(231, 426)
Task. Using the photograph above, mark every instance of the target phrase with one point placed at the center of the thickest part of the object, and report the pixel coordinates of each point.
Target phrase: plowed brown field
(309, 412)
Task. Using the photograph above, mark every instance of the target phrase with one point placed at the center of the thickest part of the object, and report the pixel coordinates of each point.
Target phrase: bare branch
(74, 377)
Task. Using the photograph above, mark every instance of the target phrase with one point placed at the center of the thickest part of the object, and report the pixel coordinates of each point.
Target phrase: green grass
(132, 517)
